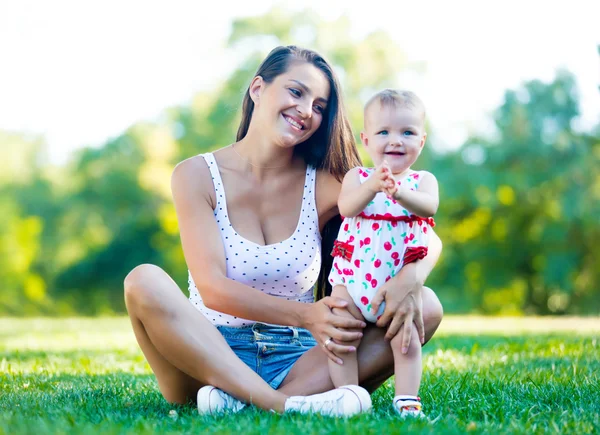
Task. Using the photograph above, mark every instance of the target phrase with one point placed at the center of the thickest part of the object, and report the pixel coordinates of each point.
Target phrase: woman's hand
(325, 326)
(403, 305)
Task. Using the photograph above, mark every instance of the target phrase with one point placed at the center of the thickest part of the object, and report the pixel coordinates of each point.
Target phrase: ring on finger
(327, 343)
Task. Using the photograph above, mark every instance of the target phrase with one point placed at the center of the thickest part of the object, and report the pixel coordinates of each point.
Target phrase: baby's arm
(355, 195)
(425, 200)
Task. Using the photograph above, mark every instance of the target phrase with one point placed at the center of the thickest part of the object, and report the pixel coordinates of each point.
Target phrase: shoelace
(230, 401)
(327, 405)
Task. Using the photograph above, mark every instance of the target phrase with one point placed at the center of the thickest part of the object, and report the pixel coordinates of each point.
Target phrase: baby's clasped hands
(389, 186)
(381, 180)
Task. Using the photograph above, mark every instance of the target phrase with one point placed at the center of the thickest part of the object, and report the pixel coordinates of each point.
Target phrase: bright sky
(80, 72)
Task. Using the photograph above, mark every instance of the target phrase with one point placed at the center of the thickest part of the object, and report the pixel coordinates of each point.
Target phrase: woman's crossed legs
(186, 351)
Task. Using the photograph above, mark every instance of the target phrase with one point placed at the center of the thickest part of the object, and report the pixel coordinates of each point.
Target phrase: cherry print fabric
(372, 247)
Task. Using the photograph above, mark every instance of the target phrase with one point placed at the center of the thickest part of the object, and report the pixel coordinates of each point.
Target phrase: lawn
(492, 375)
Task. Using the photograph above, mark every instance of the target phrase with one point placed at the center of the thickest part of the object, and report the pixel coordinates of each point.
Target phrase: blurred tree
(26, 210)
(519, 210)
(518, 214)
(114, 216)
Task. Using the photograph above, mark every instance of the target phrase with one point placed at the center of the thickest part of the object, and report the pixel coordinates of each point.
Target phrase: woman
(250, 217)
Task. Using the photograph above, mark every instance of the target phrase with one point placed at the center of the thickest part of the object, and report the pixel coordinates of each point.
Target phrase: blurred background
(99, 101)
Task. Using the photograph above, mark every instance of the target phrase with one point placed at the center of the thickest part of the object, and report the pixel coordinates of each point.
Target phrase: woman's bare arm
(205, 256)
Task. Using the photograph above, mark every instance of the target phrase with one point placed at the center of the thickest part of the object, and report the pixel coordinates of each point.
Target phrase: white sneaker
(211, 400)
(408, 407)
(342, 402)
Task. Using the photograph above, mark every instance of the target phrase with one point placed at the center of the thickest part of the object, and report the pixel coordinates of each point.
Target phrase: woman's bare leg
(310, 374)
(184, 350)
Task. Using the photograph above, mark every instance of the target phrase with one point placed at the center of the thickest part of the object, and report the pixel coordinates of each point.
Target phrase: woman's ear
(256, 87)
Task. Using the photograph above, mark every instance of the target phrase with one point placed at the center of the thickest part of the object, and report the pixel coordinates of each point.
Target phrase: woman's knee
(175, 397)
(140, 284)
(433, 312)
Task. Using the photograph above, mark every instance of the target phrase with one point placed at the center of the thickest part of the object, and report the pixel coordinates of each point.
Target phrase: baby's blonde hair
(396, 98)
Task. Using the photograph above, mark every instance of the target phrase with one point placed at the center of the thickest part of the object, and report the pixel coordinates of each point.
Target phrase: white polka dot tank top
(288, 269)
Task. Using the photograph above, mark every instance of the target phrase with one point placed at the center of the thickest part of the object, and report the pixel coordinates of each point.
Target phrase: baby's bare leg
(407, 367)
(347, 373)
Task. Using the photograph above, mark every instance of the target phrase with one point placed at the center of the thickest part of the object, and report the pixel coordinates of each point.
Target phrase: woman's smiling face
(291, 108)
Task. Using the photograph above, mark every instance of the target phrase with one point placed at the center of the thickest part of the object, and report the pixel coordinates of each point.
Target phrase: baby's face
(395, 134)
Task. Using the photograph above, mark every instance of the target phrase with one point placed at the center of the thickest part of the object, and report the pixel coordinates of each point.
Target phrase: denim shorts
(269, 350)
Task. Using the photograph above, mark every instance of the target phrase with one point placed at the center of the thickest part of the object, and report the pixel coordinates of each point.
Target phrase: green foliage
(518, 213)
(87, 376)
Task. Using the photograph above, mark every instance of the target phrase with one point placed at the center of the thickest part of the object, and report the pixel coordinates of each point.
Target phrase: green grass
(480, 375)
